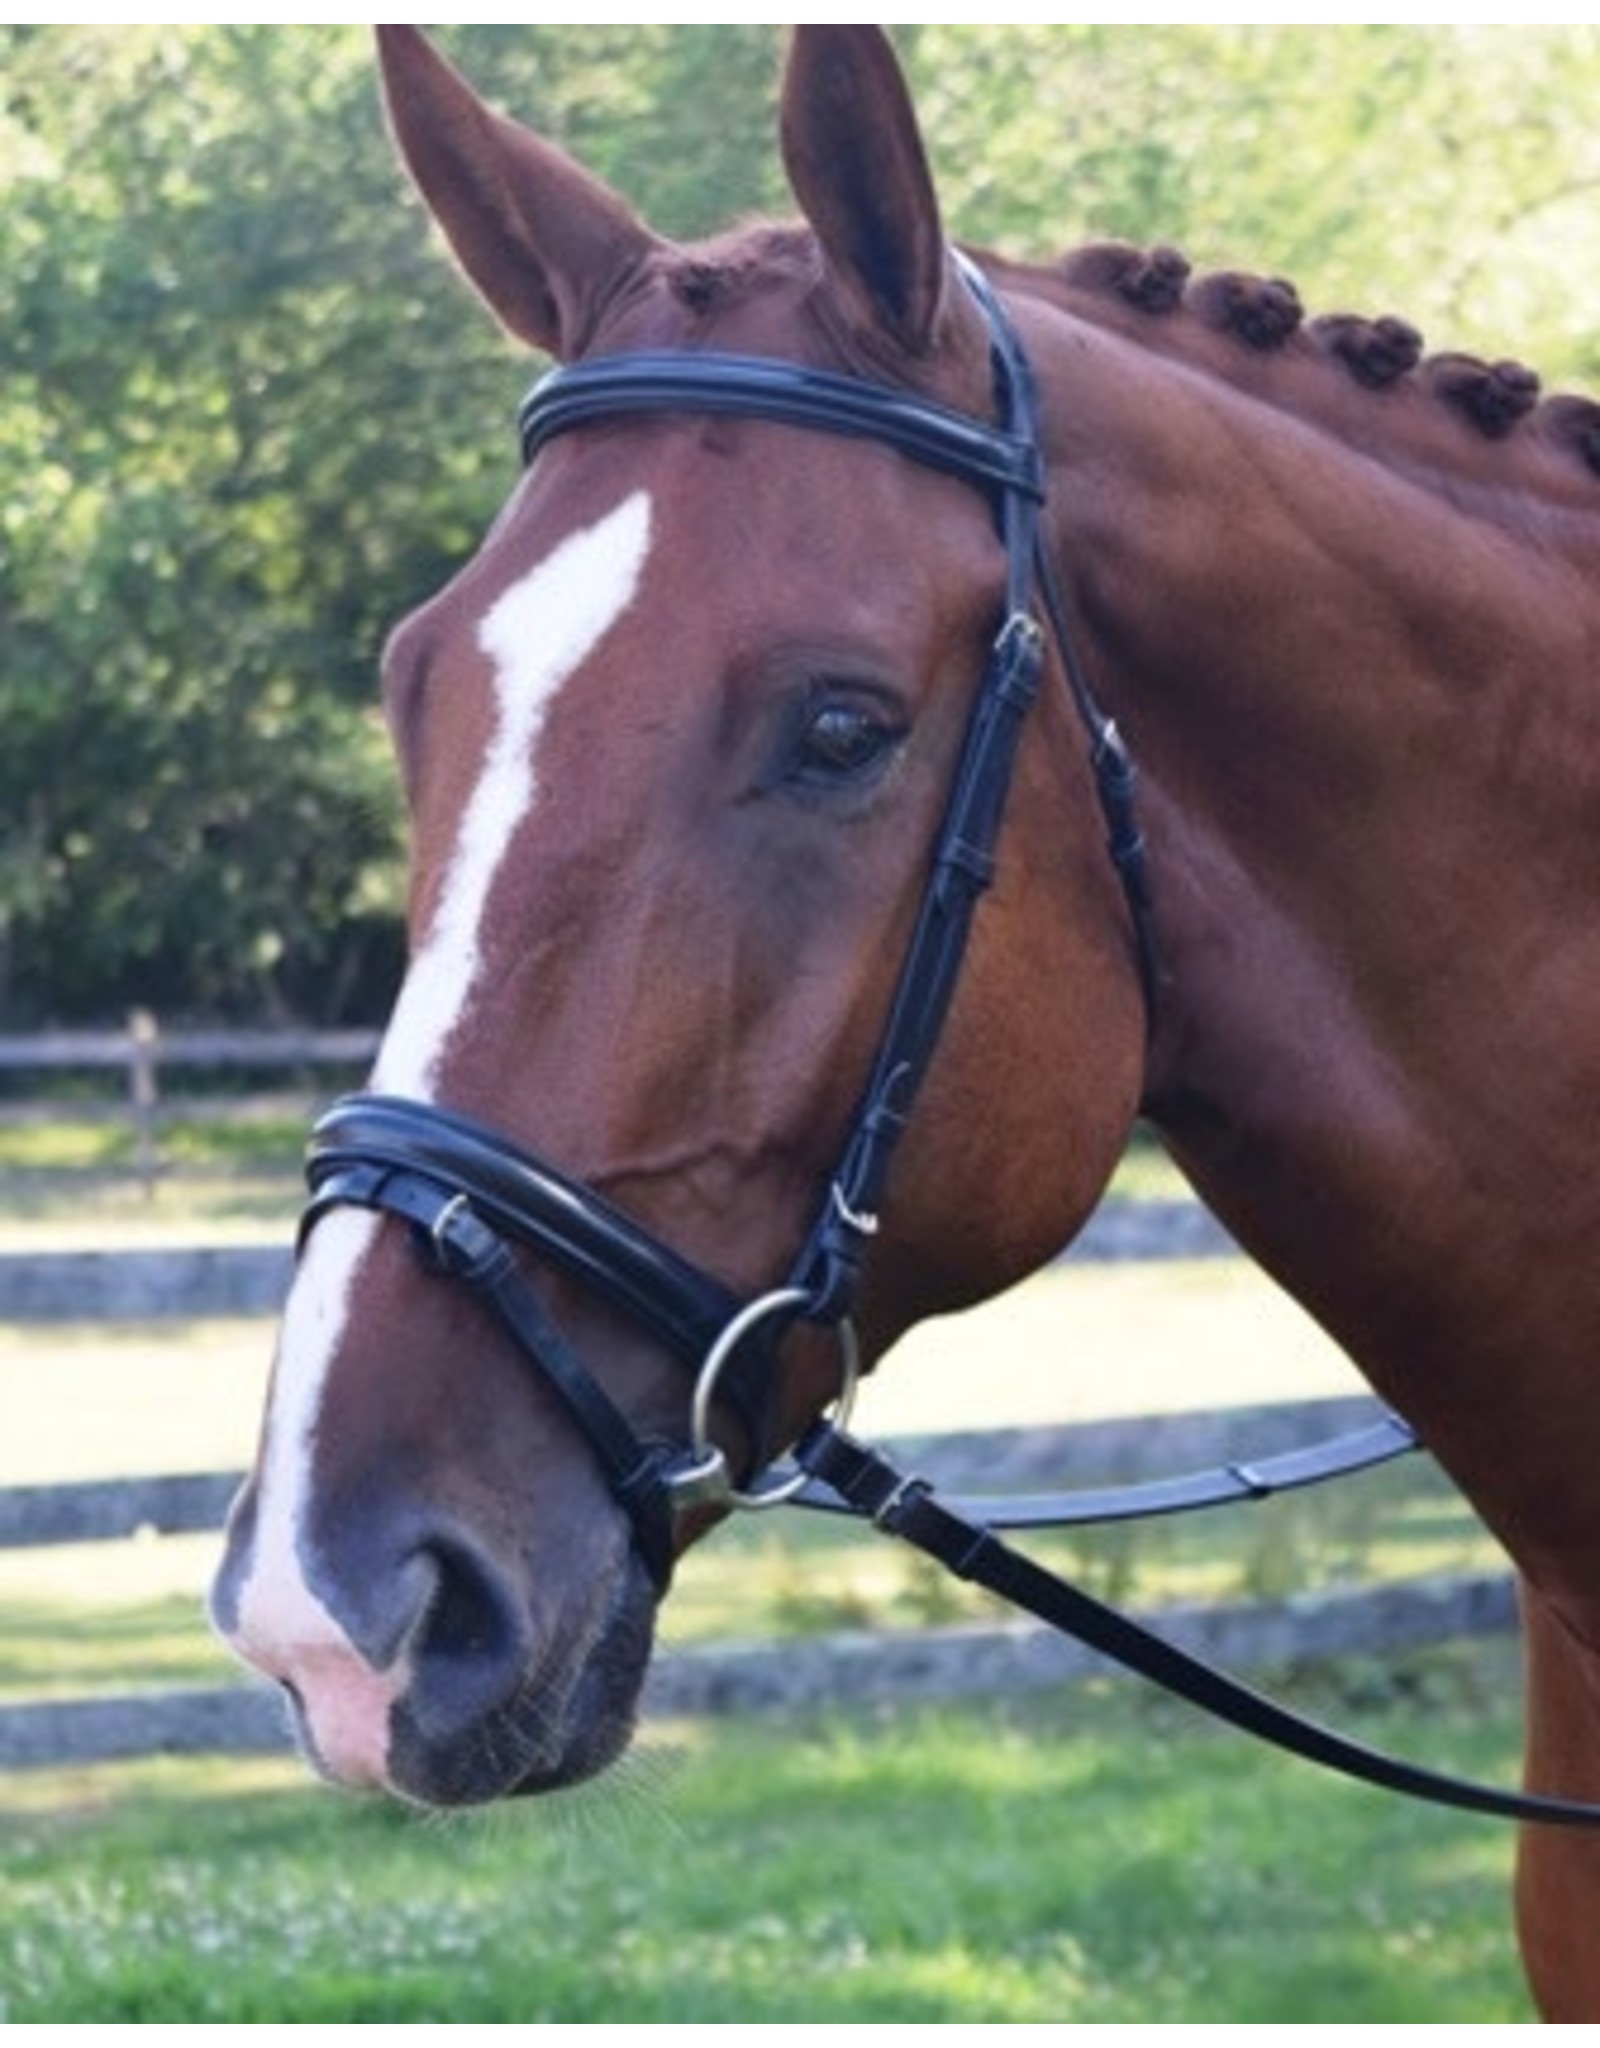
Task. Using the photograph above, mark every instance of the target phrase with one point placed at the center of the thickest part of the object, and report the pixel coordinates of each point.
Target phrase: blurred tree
(1451, 175)
(194, 800)
(248, 417)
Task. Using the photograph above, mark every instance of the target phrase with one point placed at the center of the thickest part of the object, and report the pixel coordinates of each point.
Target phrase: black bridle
(473, 1200)
(472, 1197)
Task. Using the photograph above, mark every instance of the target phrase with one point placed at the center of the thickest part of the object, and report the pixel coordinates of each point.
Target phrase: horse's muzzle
(430, 1668)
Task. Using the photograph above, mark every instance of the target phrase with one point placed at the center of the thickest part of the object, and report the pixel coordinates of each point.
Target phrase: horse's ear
(854, 155)
(545, 243)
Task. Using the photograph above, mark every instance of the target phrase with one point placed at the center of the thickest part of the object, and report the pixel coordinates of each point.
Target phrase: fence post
(143, 1038)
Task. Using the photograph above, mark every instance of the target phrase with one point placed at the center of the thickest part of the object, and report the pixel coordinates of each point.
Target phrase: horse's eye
(843, 743)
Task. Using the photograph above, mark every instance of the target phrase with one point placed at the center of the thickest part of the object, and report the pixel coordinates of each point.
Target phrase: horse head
(677, 745)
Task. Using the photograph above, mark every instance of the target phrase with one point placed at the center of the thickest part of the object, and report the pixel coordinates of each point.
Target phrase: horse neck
(1369, 733)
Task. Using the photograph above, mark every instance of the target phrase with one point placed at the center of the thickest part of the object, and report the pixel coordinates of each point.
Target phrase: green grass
(251, 1141)
(1090, 1856)
(1093, 1855)
(85, 1179)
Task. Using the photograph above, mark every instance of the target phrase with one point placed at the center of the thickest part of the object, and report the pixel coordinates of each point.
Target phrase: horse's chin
(567, 1718)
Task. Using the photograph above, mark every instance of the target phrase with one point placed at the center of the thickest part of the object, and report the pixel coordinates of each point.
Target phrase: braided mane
(1368, 380)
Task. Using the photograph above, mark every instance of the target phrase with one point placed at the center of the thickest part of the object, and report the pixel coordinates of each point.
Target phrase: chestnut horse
(677, 743)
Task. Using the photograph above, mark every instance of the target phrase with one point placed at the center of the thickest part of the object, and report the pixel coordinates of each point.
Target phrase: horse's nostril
(469, 1618)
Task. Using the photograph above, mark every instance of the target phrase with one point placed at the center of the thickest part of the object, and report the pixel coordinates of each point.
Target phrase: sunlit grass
(265, 1142)
(115, 1618)
(97, 1212)
(113, 1400)
(88, 1182)
(1089, 1856)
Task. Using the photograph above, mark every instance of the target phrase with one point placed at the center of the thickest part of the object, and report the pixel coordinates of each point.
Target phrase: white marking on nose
(537, 634)
(281, 1623)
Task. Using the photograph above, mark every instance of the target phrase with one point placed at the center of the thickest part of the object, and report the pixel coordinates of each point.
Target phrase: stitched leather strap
(1219, 1486)
(791, 394)
(906, 1507)
(458, 1243)
(589, 1239)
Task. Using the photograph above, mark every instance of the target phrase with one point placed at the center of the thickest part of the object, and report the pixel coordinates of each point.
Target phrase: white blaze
(537, 635)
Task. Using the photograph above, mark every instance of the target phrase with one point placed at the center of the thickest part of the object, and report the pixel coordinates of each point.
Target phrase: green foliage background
(247, 418)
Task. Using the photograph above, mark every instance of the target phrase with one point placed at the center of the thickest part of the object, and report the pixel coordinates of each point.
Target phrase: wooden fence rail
(855, 1668)
(142, 1044)
(143, 1052)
